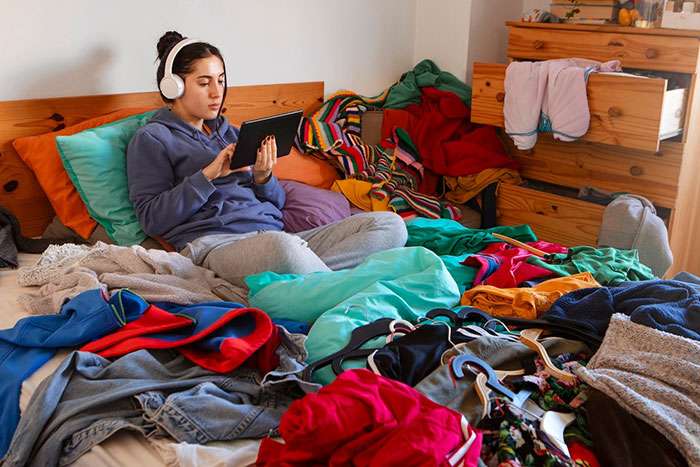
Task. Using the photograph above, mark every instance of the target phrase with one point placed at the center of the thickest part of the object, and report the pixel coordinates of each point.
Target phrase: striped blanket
(394, 166)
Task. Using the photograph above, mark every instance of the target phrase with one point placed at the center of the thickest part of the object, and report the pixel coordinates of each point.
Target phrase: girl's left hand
(266, 160)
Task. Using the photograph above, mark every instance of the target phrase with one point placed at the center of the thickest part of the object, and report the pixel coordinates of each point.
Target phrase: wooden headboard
(19, 190)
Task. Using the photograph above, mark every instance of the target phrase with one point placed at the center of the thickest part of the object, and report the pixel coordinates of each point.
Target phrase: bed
(427, 268)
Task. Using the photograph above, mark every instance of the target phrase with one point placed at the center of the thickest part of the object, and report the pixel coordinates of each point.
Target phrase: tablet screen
(283, 126)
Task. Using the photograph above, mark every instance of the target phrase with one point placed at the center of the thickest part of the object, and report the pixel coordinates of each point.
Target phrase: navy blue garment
(688, 278)
(412, 357)
(666, 305)
(35, 339)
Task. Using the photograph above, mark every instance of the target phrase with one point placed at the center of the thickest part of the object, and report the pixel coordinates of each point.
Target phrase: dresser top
(607, 28)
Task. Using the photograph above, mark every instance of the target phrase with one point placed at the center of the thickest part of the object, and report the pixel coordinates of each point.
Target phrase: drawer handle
(636, 171)
(650, 53)
(538, 45)
(500, 97)
(613, 112)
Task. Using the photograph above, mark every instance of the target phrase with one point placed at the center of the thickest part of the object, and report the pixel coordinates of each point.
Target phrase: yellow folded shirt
(358, 193)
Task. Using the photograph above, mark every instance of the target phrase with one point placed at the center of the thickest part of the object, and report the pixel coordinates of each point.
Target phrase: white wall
(541, 4)
(456, 33)
(442, 34)
(80, 47)
(488, 34)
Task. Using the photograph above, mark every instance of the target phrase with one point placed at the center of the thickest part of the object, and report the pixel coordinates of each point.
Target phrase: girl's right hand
(219, 167)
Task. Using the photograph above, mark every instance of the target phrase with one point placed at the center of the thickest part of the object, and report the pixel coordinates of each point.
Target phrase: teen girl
(228, 220)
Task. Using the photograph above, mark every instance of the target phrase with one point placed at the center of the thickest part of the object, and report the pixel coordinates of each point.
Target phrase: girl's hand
(266, 160)
(219, 167)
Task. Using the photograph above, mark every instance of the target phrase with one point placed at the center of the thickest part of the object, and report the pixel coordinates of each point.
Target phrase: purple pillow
(308, 207)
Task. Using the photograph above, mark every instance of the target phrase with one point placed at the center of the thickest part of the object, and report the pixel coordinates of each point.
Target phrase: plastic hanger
(553, 424)
(396, 326)
(563, 330)
(457, 457)
(358, 337)
(444, 312)
(491, 380)
(530, 337)
(459, 318)
(483, 390)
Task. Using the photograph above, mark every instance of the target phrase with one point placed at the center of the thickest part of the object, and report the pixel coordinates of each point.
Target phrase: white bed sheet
(124, 448)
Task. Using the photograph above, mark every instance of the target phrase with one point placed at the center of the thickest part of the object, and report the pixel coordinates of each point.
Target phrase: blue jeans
(157, 393)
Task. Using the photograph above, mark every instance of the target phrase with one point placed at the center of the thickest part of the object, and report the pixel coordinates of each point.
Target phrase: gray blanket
(67, 270)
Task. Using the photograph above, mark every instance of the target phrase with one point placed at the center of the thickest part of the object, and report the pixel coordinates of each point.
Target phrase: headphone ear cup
(172, 86)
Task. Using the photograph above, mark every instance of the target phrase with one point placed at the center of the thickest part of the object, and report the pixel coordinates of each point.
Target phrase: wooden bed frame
(19, 190)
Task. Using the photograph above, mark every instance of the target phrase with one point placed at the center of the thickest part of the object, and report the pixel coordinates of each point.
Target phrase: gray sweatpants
(340, 245)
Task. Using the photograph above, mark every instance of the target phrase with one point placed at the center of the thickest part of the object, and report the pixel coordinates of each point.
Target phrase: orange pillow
(305, 169)
(41, 155)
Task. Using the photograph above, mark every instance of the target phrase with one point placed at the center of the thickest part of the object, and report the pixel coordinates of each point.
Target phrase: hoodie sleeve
(160, 205)
(271, 191)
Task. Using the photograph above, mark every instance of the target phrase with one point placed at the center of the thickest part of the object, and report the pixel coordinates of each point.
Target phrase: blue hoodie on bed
(174, 200)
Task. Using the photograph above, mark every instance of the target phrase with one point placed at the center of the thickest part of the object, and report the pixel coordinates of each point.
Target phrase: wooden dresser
(622, 151)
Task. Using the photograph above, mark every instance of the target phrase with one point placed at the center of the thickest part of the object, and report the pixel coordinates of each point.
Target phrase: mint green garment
(453, 243)
(609, 266)
(407, 91)
(402, 283)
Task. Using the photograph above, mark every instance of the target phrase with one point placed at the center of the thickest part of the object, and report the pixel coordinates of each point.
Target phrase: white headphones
(172, 86)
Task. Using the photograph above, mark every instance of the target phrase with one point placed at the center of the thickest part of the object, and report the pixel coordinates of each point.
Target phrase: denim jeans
(157, 393)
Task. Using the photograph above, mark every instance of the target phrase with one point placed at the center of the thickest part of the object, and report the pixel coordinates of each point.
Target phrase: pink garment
(364, 419)
(549, 96)
(503, 265)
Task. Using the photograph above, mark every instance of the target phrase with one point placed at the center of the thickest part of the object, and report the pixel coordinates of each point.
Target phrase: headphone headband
(173, 53)
(172, 86)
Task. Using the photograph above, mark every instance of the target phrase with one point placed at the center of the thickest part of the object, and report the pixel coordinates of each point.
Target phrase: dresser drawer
(643, 51)
(553, 218)
(625, 110)
(653, 175)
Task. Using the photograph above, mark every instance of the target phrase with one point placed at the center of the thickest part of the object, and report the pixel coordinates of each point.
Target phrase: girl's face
(204, 90)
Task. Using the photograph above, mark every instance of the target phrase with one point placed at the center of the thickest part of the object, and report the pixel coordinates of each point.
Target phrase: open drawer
(629, 111)
(552, 218)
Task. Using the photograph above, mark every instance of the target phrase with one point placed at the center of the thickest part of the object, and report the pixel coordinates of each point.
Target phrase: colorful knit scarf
(393, 166)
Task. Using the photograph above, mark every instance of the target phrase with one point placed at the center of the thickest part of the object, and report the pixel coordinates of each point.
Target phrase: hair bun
(167, 42)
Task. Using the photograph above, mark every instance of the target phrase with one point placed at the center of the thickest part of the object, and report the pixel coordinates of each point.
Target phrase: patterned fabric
(393, 166)
(518, 440)
(653, 375)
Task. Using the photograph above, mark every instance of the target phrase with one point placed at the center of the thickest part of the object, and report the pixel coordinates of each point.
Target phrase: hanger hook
(347, 308)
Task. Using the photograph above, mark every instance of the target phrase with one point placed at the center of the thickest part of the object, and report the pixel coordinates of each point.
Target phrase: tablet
(283, 126)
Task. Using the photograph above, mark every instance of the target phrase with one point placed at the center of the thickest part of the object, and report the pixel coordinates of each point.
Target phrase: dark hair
(184, 61)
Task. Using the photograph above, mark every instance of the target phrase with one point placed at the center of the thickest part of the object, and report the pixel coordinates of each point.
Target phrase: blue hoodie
(174, 200)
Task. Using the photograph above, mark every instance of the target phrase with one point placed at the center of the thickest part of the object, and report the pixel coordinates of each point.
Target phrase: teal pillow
(95, 160)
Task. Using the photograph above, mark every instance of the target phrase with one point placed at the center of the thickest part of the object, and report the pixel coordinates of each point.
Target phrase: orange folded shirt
(525, 302)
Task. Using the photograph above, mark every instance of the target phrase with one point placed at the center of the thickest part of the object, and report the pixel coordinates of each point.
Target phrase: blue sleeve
(160, 205)
(271, 191)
